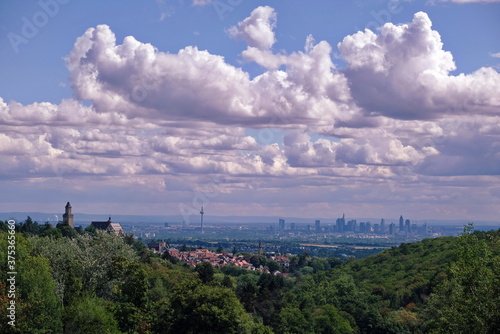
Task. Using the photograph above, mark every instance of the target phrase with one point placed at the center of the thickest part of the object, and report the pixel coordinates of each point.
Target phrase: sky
(252, 108)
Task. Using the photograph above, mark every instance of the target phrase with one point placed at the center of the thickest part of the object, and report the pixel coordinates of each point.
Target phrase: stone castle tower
(68, 216)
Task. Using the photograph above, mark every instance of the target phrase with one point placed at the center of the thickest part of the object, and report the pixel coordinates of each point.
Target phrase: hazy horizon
(193, 220)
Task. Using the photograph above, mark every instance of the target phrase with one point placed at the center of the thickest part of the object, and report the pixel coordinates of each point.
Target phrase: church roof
(115, 227)
(101, 225)
(108, 226)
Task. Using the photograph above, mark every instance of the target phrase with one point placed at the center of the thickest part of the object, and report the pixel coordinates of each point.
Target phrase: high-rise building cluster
(351, 226)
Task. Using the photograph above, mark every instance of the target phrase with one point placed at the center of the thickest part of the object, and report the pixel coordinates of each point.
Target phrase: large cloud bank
(157, 115)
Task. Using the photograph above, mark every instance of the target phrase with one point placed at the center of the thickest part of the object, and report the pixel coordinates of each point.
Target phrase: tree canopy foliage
(94, 282)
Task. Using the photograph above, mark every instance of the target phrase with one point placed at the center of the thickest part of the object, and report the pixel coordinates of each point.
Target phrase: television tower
(202, 213)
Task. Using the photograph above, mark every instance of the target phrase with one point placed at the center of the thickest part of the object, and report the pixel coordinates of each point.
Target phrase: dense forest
(72, 281)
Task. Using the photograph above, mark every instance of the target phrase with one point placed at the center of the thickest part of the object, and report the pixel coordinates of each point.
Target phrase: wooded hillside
(98, 283)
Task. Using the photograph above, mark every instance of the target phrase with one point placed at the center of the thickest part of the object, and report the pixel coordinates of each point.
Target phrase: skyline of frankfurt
(258, 108)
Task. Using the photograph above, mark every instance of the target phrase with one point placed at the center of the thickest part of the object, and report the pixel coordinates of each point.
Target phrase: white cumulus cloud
(403, 72)
(136, 80)
(257, 29)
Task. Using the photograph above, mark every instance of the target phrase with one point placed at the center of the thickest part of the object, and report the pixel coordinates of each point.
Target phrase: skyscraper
(414, 228)
(382, 226)
(392, 228)
(351, 226)
(362, 227)
(408, 226)
(318, 225)
(401, 224)
(424, 229)
(281, 225)
(341, 224)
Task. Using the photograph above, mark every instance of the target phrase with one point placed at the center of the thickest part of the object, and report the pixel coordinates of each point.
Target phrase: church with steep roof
(109, 227)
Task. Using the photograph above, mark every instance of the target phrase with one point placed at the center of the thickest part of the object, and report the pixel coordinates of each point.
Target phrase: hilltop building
(109, 227)
(158, 247)
(68, 216)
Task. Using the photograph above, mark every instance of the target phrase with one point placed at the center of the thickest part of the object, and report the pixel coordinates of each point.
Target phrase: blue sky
(403, 119)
